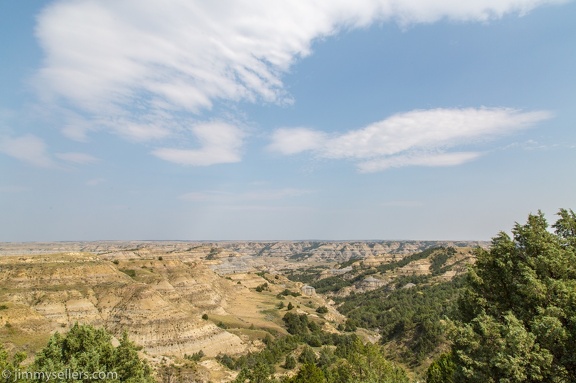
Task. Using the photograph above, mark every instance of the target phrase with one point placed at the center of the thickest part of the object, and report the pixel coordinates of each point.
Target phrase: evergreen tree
(517, 316)
(87, 350)
(9, 367)
(260, 372)
(309, 373)
(441, 370)
(129, 366)
(290, 362)
(307, 356)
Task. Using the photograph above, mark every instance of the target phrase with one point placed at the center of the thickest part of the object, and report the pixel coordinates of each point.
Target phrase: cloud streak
(28, 148)
(416, 138)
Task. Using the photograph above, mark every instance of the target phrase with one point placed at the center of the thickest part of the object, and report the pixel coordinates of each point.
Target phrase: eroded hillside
(159, 303)
(179, 299)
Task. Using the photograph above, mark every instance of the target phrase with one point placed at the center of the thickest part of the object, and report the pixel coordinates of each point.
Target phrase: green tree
(129, 366)
(8, 366)
(89, 350)
(366, 363)
(290, 362)
(309, 373)
(260, 372)
(307, 356)
(517, 316)
(441, 370)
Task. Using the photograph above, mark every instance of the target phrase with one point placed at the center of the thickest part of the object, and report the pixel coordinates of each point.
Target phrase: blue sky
(258, 120)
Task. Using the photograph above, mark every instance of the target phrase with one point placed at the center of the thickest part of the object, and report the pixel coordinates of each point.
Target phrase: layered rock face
(334, 251)
(159, 303)
(320, 250)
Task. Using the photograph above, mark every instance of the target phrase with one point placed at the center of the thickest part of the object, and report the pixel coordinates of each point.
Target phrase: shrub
(290, 362)
(322, 310)
(196, 356)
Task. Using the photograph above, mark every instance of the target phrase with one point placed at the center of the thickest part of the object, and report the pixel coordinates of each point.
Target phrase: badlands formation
(173, 298)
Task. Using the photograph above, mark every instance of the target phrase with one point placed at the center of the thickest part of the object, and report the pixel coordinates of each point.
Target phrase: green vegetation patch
(83, 349)
(409, 315)
(129, 272)
(516, 319)
(331, 284)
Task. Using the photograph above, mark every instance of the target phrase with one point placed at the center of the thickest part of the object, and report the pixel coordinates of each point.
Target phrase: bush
(226, 360)
(290, 362)
(196, 356)
(322, 310)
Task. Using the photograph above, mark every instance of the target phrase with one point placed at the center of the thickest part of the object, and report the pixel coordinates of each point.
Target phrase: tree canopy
(517, 316)
(84, 354)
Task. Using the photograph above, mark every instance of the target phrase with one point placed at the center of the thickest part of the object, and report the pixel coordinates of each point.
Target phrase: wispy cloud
(422, 159)
(145, 69)
(77, 158)
(419, 137)
(296, 140)
(28, 148)
(219, 143)
(531, 145)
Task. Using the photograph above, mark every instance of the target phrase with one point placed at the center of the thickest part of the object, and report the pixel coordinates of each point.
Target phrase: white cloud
(296, 140)
(429, 129)
(77, 158)
(28, 148)
(416, 138)
(219, 143)
(431, 160)
(133, 66)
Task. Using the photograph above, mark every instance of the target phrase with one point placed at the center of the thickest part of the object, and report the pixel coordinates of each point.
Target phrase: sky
(284, 120)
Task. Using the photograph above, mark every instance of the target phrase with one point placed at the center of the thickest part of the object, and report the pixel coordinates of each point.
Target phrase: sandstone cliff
(159, 303)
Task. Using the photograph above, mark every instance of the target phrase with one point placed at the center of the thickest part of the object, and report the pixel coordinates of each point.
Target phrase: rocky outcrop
(162, 316)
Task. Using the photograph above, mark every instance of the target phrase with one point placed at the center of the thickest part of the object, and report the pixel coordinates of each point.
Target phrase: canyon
(175, 299)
